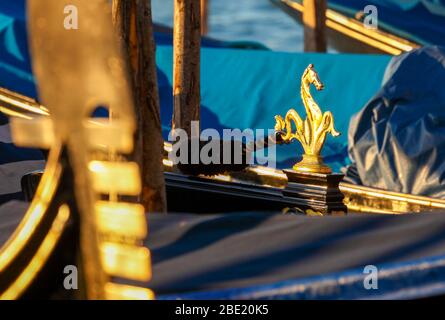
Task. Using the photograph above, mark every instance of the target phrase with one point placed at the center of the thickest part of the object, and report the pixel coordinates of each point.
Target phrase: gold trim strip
(114, 291)
(37, 133)
(355, 35)
(393, 196)
(127, 261)
(21, 102)
(13, 113)
(115, 177)
(41, 256)
(45, 191)
(391, 40)
(121, 218)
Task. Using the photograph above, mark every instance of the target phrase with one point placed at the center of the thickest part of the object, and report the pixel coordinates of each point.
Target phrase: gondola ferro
(78, 215)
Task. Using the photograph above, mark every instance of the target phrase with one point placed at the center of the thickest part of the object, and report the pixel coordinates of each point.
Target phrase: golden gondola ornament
(82, 213)
(311, 132)
(310, 180)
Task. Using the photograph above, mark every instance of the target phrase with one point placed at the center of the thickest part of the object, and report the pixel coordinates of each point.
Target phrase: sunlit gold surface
(41, 256)
(111, 233)
(119, 177)
(126, 261)
(124, 219)
(12, 113)
(371, 200)
(35, 133)
(19, 104)
(116, 291)
(44, 194)
(311, 132)
(104, 135)
(357, 198)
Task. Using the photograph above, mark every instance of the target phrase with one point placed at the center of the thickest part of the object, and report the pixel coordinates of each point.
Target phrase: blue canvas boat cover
(421, 21)
(275, 256)
(246, 89)
(16, 75)
(397, 141)
(15, 62)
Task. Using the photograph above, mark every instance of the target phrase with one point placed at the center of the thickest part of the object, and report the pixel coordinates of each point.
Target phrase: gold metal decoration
(312, 131)
(78, 71)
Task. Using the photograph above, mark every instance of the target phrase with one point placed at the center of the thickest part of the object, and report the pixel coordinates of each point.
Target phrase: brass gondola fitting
(81, 190)
(310, 180)
(311, 132)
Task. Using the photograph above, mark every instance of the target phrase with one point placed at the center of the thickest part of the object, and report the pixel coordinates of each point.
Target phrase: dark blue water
(235, 20)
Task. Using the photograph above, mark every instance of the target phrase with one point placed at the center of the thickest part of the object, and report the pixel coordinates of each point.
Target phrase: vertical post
(133, 21)
(314, 20)
(204, 17)
(186, 64)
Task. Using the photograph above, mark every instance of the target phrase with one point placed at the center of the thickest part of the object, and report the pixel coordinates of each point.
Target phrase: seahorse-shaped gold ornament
(312, 131)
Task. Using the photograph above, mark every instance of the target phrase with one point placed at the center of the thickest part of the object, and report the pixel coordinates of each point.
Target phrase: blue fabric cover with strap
(16, 75)
(246, 89)
(15, 62)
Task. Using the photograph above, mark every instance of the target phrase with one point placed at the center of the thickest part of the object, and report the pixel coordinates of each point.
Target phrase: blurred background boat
(402, 25)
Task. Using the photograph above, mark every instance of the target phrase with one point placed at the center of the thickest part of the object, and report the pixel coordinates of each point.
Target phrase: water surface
(236, 20)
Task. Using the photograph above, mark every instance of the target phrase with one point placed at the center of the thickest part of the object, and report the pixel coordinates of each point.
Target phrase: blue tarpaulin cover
(246, 89)
(15, 62)
(397, 141)
(258, 255)
(16, 75)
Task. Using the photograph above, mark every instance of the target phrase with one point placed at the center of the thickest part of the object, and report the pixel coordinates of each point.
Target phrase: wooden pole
(133, 21)
(204, 17)
(314, 19)
(186, 64)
